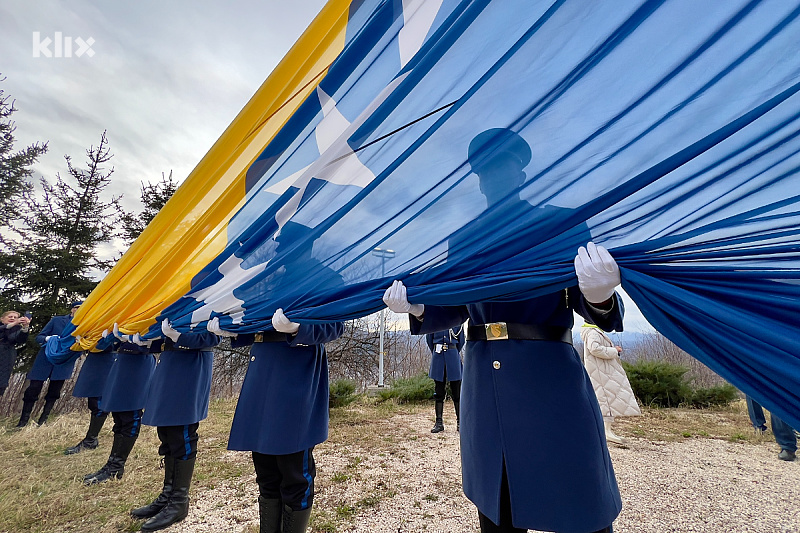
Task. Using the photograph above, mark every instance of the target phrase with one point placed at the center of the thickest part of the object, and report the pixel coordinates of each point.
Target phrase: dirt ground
(393, 475)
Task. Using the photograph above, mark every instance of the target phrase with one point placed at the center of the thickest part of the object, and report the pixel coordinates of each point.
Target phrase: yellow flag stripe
(190, 231)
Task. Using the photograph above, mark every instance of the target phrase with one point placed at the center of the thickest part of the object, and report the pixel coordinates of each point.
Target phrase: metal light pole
(384, 255)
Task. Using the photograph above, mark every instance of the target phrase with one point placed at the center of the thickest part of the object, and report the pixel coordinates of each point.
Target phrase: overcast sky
(164, 79)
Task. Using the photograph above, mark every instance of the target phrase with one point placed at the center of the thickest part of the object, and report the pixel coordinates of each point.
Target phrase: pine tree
(56, 258)
(15, 167)
(154, 196)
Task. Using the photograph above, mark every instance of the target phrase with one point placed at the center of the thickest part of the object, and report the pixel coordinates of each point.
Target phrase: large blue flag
(665, 130)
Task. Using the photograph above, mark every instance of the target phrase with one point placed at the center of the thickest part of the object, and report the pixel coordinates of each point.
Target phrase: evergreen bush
(711, 396)
(342, 392)
(663, 384)
(414, 389)
(658, 383)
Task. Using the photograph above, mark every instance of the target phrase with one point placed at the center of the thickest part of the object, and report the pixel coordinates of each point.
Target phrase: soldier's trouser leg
(439, 393)
(290, 479)
(52, 396)
(31, 394)
(127, 423)
(455, 388)
(268, 477)
(179, 442)
(29, 398)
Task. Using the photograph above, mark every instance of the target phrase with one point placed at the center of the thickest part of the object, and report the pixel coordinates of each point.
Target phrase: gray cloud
(165, 80)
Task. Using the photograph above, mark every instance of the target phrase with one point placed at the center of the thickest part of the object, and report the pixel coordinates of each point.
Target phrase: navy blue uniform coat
(181, 384)
(449, 359)
(129, 379)
(531, 405)
(94, 373)
(283, 407)
(42, 368)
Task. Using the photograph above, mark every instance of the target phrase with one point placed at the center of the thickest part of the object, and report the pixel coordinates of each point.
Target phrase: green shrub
(413, 389)
(717, 395)
(342, 392)
(662, 384)
(658, 383)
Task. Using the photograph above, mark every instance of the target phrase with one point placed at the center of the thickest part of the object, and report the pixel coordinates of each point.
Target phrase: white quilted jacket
(610, 382)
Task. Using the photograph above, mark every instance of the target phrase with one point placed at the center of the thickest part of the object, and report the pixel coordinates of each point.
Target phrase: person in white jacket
(611, 385)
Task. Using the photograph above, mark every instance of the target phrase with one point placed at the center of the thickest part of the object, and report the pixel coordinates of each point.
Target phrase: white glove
(213, 327)
(396, 299)
(104, 334)
(137, 339)
(120, 336)
(598, 273)
(283, 324)
(169, 331)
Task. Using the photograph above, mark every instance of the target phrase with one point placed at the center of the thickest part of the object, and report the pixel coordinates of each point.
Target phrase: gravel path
(412, 483)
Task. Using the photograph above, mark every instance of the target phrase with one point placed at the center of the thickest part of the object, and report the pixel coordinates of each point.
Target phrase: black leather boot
(457, 406)
(25, 416)
(90, 441)
(270, 514)
(295, 521)
(149, 511)
(115, 466)
(48, 406)
(439, 425)
(178, 506)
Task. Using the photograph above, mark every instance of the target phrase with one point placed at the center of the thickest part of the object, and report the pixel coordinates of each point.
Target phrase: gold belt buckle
(259, 337)
(496, 331)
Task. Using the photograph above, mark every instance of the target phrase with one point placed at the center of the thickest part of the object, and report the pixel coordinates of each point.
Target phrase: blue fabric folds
(668, 131)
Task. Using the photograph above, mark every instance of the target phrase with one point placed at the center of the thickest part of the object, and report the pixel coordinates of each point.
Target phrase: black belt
(497, 331)
(131, 348)
(270, 336)
(169, 346)
(128, 351)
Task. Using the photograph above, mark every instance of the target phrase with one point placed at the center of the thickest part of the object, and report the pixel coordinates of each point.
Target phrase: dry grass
(41, 489)
(670, 425)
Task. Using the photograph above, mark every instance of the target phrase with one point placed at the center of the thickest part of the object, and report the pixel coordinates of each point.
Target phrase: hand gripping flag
(665, 130)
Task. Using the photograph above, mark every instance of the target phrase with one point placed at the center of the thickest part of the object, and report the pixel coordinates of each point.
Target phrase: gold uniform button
(496, 365)
(253, 358)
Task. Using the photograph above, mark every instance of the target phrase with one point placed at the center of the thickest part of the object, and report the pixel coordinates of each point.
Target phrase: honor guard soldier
(282, 414)
(446, 366)
(90, 384)
(178, 401)
(43, 370)
(283, 407)
(124, 396)
(527, 400)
